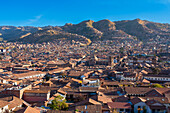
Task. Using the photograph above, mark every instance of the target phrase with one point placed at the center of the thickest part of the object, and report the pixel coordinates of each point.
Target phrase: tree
(59, 103)
(157, 85)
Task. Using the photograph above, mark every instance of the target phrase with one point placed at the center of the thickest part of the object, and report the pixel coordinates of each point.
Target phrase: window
(121, 109)
(85, 106)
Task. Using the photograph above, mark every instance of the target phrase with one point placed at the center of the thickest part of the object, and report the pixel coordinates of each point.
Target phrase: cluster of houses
(104, 77)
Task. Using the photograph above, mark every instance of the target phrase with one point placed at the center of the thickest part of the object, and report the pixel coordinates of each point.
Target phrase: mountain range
(87, 30)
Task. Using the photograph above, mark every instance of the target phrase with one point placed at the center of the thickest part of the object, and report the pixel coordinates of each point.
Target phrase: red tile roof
(122, 105)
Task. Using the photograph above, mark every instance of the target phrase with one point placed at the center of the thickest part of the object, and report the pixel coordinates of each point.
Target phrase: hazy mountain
(12, 32)
(101, 30)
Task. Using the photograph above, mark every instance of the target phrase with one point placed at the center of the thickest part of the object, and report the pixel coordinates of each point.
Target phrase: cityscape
(92, 66)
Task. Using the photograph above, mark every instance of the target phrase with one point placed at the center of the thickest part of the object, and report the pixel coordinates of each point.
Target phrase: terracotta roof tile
(122, 105)
(31, 110)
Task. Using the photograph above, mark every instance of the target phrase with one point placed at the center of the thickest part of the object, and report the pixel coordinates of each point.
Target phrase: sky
(59, 12)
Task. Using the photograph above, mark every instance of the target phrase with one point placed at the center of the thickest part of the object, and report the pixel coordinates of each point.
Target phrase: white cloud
(37, 18)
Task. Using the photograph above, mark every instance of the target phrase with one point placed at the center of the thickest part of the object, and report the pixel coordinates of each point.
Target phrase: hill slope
(12, 32)
(88, 30)
(143, 29)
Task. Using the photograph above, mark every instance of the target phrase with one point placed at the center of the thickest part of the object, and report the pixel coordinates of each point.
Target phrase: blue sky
(59, 12)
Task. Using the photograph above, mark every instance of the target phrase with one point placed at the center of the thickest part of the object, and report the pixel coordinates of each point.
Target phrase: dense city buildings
(109, 76)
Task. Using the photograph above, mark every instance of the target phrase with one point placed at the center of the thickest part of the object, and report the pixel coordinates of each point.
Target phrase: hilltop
(87, 30)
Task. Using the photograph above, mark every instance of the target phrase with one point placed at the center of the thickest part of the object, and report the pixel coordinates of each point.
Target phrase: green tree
(77, 110)
(59, 103)
(157, 85)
